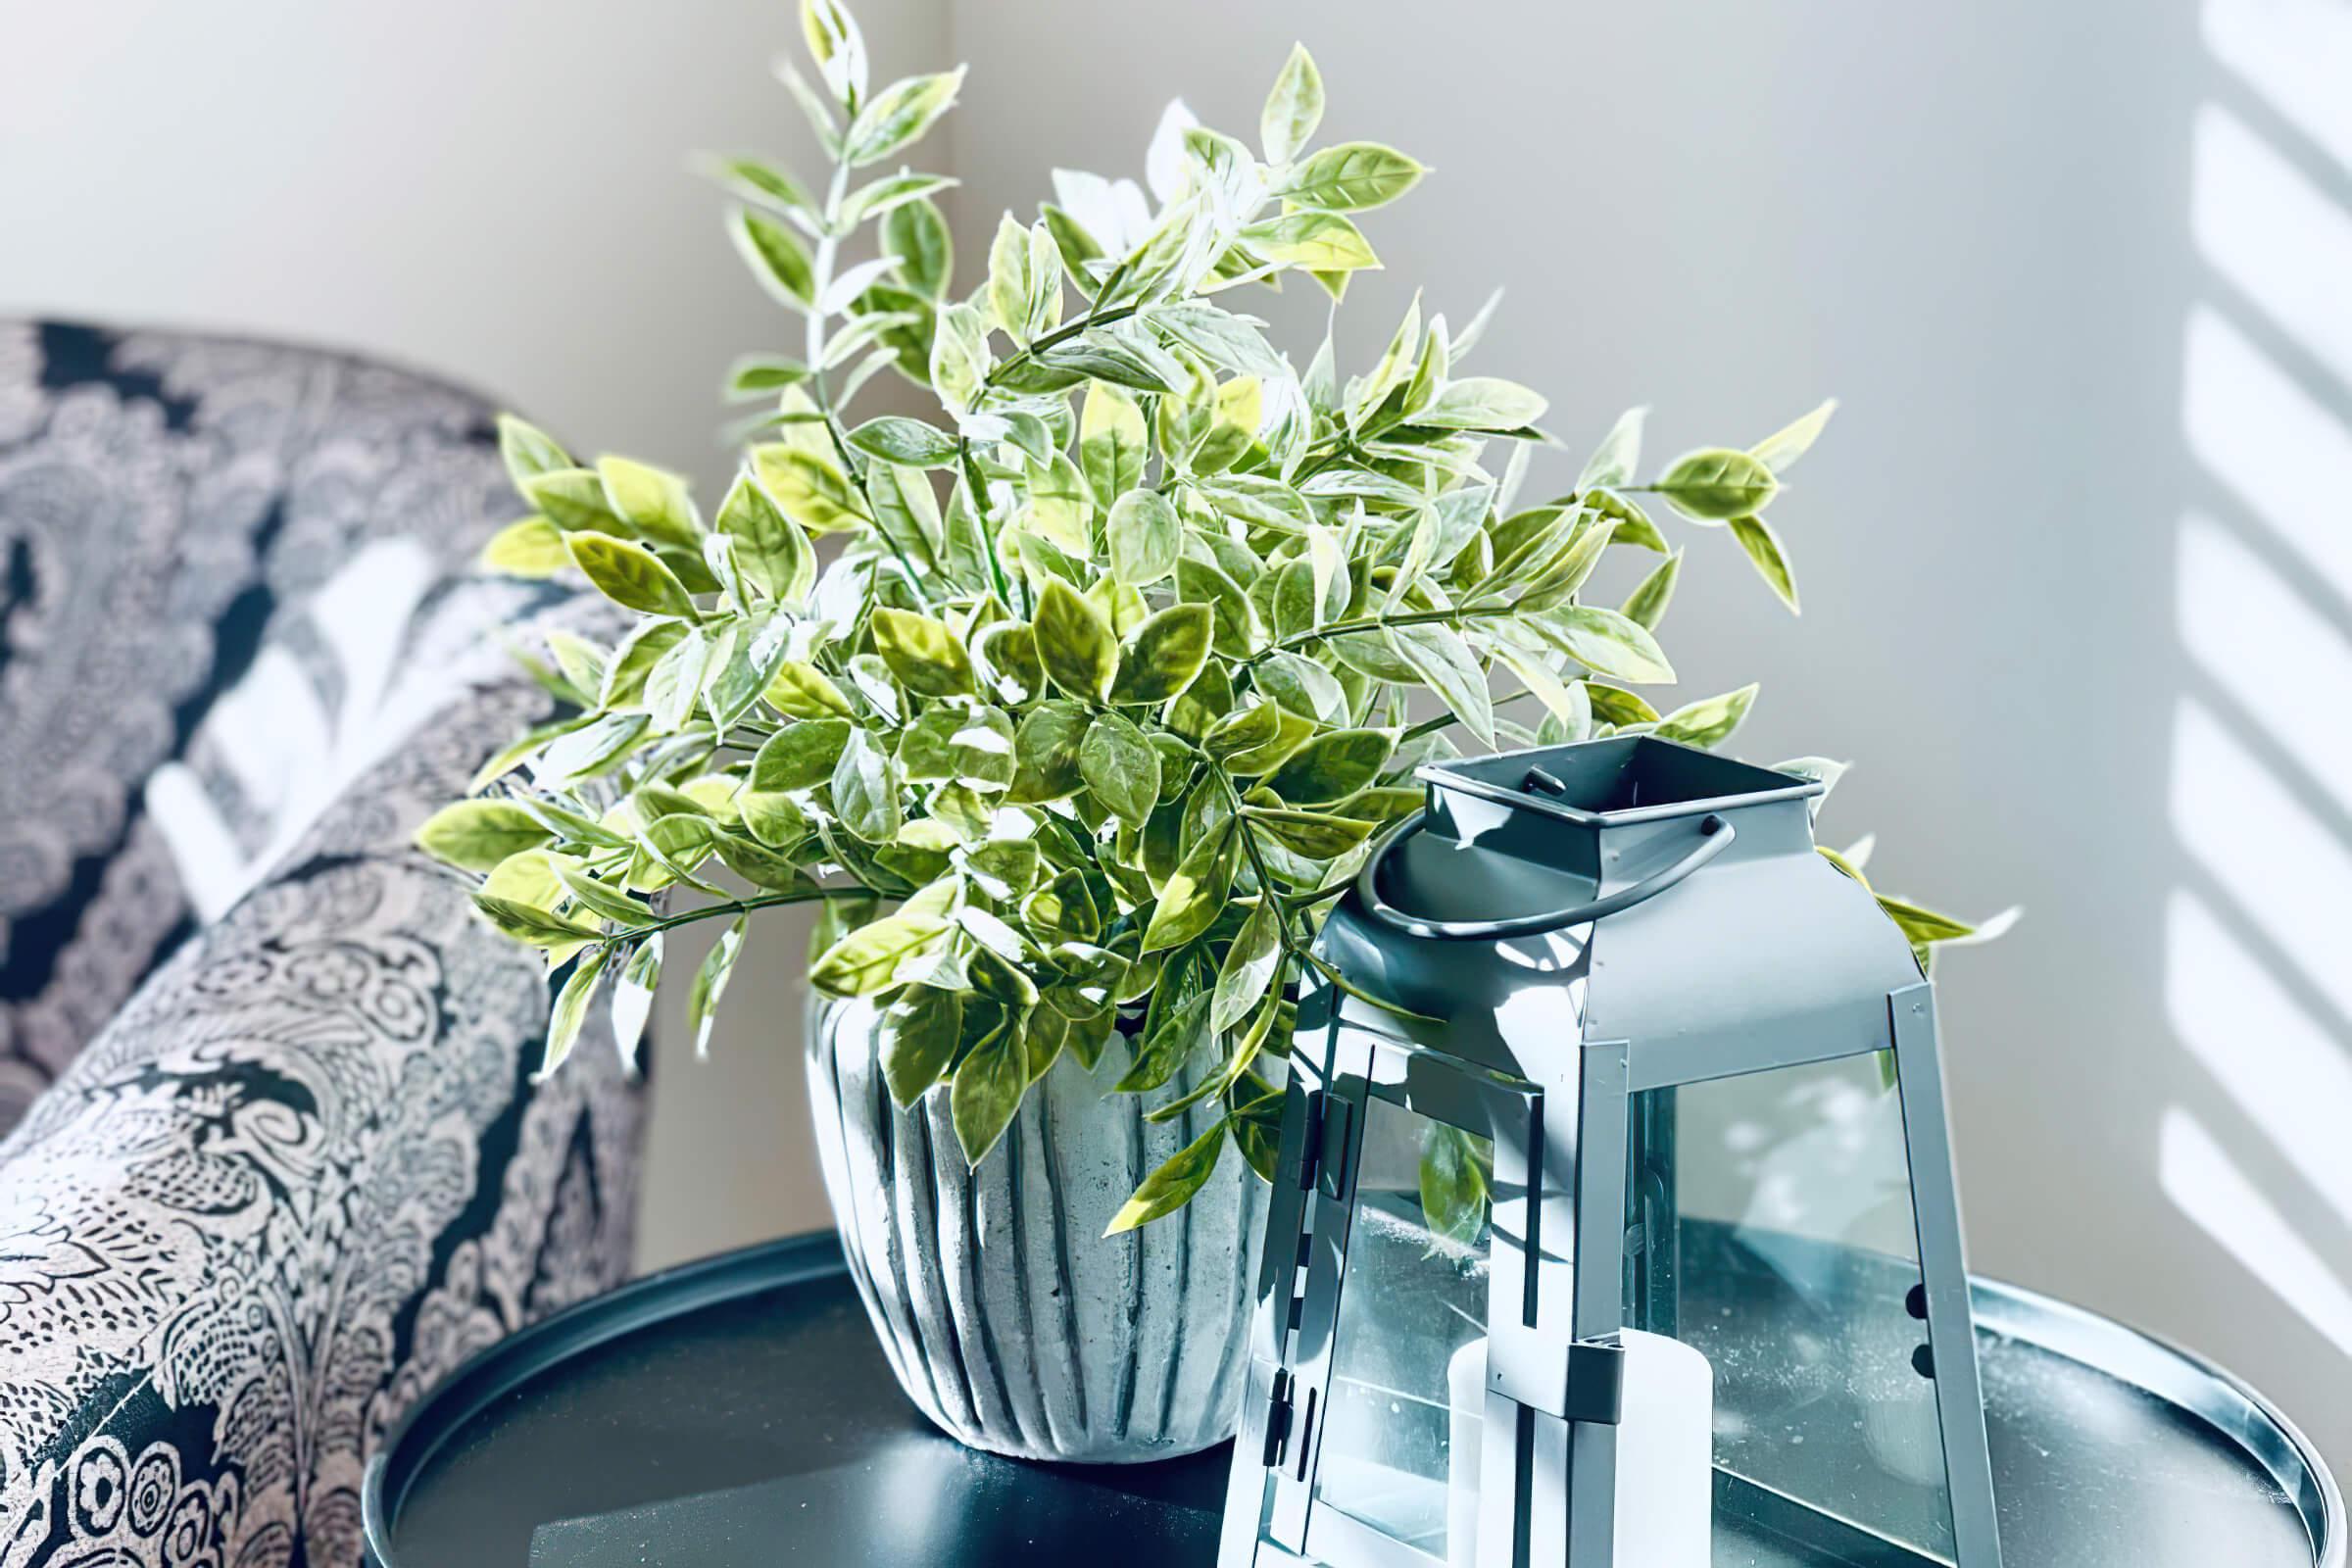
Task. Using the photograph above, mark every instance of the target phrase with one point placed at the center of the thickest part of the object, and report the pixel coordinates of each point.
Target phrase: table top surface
(740, 1412)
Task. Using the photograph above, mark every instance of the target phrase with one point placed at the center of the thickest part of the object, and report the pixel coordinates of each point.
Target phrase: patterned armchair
(274, 1161)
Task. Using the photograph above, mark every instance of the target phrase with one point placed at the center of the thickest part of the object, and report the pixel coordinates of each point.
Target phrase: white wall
(1972, 224)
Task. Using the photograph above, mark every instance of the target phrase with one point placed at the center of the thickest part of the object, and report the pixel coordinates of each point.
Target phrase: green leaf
(1454, 1168)
(917, 1039)
(1194, 894)
(538, 927)
(1921, 924)
(711, 983)
(971, 746)
(1335, 765)
(630, 574)
(1614, 705)
(1442, 658)
(1320, 241)
(589, 752)
(916, 233)
(633, 998)
(1112, 445)
(1075, 643)
(1616, 460)
(1145, 533)
(476, 835)
(898, 114)
(1634, 526)
(573, 499)
(1317, 835)
(529, 547)
(607, 902)
(1237, 629)
(812, 492)
(865, 790)
(754, 180)
(1483, 403)
(1716, 484)
(1709, 720)
(1161, 657)
(633, 660)
(837, 47)
(1024, 280)
(1256, 1128)
(756, 378)
(959, 358)
(570, 1010)
(1004, 655)
(889, 193)
(770, 550)
(1605, 641)
(1293, 110)
(1120, 768)
(1172, 1029)
(987, 1091)
(800, 756)
(868, 959)
(1781, 448)
(529, 451)
(652, 502)
(1646, 604)
(803, 691)
(1045, 749)
(1351, 176)
(776, 255)
(1173, 1185)
(1763, 547)
(1248, 966)
(894, 438)
(925, 654)
(675, 681)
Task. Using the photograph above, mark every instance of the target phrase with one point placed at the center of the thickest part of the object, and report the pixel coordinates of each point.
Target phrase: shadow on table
(919, 1498)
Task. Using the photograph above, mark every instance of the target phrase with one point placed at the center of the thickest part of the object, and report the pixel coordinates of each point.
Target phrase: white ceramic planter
(1009, 1317)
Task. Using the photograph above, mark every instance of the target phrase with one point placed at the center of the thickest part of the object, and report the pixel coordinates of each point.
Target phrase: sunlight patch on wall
(2271, 443)
(2282, 663)
(2285, 872)
(2215, 1191)
(2297, 55)
(2288, 1074)
(2244, 196)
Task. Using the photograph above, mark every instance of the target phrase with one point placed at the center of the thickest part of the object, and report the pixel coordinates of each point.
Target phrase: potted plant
(1115, 670)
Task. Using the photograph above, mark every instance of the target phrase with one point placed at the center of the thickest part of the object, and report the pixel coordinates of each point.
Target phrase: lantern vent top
(1616, 783)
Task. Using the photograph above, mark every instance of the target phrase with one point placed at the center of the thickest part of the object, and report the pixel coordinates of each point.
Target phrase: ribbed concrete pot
(1009, 1317)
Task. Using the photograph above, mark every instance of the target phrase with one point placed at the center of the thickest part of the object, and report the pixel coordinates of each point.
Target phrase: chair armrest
(302, 1175)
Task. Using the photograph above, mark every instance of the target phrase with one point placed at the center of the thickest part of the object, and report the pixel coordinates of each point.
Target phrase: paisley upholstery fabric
(278, 1162)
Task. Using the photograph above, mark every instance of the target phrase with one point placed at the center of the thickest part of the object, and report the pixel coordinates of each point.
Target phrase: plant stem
(758, 901)
(821, 272)
(1430, 727)
(1060, 334)
(1340, 629)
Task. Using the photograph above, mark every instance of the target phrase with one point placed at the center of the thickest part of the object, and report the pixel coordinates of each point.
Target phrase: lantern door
(1777, 1220)
(1412, 1212)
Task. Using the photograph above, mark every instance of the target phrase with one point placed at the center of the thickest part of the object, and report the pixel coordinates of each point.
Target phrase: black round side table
(738, 1413)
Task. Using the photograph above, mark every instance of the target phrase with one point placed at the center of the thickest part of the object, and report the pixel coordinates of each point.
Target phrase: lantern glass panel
(1773, 1232)
(1413, 1310)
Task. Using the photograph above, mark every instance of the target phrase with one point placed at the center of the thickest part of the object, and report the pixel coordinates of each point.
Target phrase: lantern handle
(1715, 836)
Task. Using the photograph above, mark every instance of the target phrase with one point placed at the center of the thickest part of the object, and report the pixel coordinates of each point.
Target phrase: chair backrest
(211, 553)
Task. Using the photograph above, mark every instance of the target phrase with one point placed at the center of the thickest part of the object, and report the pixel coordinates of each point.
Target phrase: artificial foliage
(1076, 704)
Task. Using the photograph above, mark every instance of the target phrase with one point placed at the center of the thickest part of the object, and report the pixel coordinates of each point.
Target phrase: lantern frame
(1559, 1115)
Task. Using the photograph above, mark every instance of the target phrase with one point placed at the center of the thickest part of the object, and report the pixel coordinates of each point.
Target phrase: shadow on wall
(2258, 971)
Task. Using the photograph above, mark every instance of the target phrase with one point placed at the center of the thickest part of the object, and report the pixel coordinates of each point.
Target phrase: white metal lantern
(1673, 1094)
